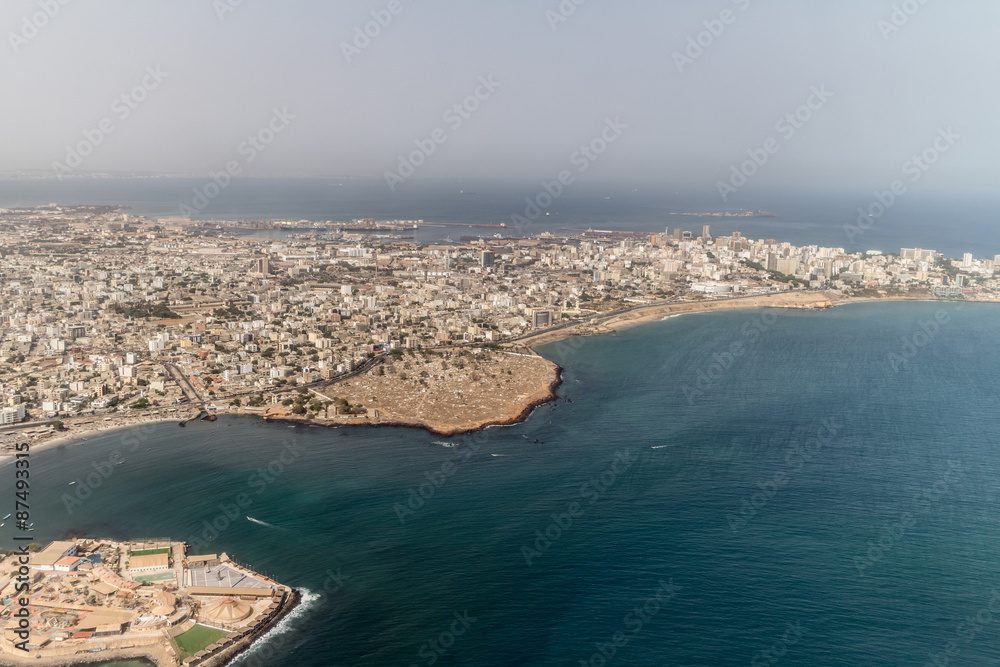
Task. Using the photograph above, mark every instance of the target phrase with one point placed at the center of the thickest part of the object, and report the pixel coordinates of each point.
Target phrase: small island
(94, 600)
(731, 214)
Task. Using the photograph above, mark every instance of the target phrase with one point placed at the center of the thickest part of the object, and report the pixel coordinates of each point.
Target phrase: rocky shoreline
(444, 432)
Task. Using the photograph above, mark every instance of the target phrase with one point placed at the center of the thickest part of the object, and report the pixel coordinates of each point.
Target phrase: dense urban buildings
(104, 313)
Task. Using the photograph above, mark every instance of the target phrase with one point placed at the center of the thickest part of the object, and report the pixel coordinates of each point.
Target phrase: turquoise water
(738, 502)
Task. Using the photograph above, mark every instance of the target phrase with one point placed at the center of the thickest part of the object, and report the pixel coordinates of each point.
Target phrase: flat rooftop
(223, 576)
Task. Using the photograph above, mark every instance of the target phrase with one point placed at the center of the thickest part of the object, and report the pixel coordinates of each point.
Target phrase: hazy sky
(228, 66)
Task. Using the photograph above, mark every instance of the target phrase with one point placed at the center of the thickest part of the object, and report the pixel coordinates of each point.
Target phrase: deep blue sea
(950, 224)
(818, 485)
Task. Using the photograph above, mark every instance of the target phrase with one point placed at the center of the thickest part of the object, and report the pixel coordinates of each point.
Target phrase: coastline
(803, 300)
(517, 418)
(74, 436)
(157, 655)
(800, 300)
(645, 314)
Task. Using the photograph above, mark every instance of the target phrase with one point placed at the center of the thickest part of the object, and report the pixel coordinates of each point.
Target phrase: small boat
(71, 484)
(120, 462)
(6, 517)
(2, 525)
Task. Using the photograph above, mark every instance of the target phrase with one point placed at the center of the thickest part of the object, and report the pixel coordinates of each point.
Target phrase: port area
(94, 600)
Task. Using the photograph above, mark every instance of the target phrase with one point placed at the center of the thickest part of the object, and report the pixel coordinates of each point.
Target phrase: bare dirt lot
(449, 392)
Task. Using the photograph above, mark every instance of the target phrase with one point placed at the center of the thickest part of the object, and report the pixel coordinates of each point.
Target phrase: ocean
(735, 488)
(953, 225)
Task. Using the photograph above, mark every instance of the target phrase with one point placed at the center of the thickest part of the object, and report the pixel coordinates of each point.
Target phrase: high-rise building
(917, 254)
(967, 260)
(262, 266)
(541, 318)
(705, 234)
(488, 259)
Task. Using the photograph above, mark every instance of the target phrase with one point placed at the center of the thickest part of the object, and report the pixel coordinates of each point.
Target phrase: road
(183, 383)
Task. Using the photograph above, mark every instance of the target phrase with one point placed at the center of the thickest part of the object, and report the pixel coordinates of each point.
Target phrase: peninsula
(108, 319)
(94, 600)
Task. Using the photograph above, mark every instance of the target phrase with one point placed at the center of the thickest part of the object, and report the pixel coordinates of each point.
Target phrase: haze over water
(912, 447)
(950, 224)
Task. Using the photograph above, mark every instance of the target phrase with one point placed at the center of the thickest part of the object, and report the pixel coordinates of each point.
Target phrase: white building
(13, 415)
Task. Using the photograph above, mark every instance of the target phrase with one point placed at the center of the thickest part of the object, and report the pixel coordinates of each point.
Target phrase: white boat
(71, 484)
(6, 517)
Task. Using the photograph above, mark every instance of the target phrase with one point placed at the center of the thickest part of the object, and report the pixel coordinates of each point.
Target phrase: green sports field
(197, 638)
(150, 552)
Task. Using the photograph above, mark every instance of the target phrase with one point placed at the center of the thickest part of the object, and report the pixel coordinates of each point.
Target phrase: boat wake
(499, 454)
(442, 443)
(659, 446)
(307, 603)
(263, 523)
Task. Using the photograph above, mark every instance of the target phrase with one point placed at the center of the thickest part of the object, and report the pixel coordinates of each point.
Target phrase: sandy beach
(643, 314)
(76, 434)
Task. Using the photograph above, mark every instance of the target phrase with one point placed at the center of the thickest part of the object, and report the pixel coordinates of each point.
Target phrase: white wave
(306, 604)
(263, 523)
(445, 444)
(659, 446)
